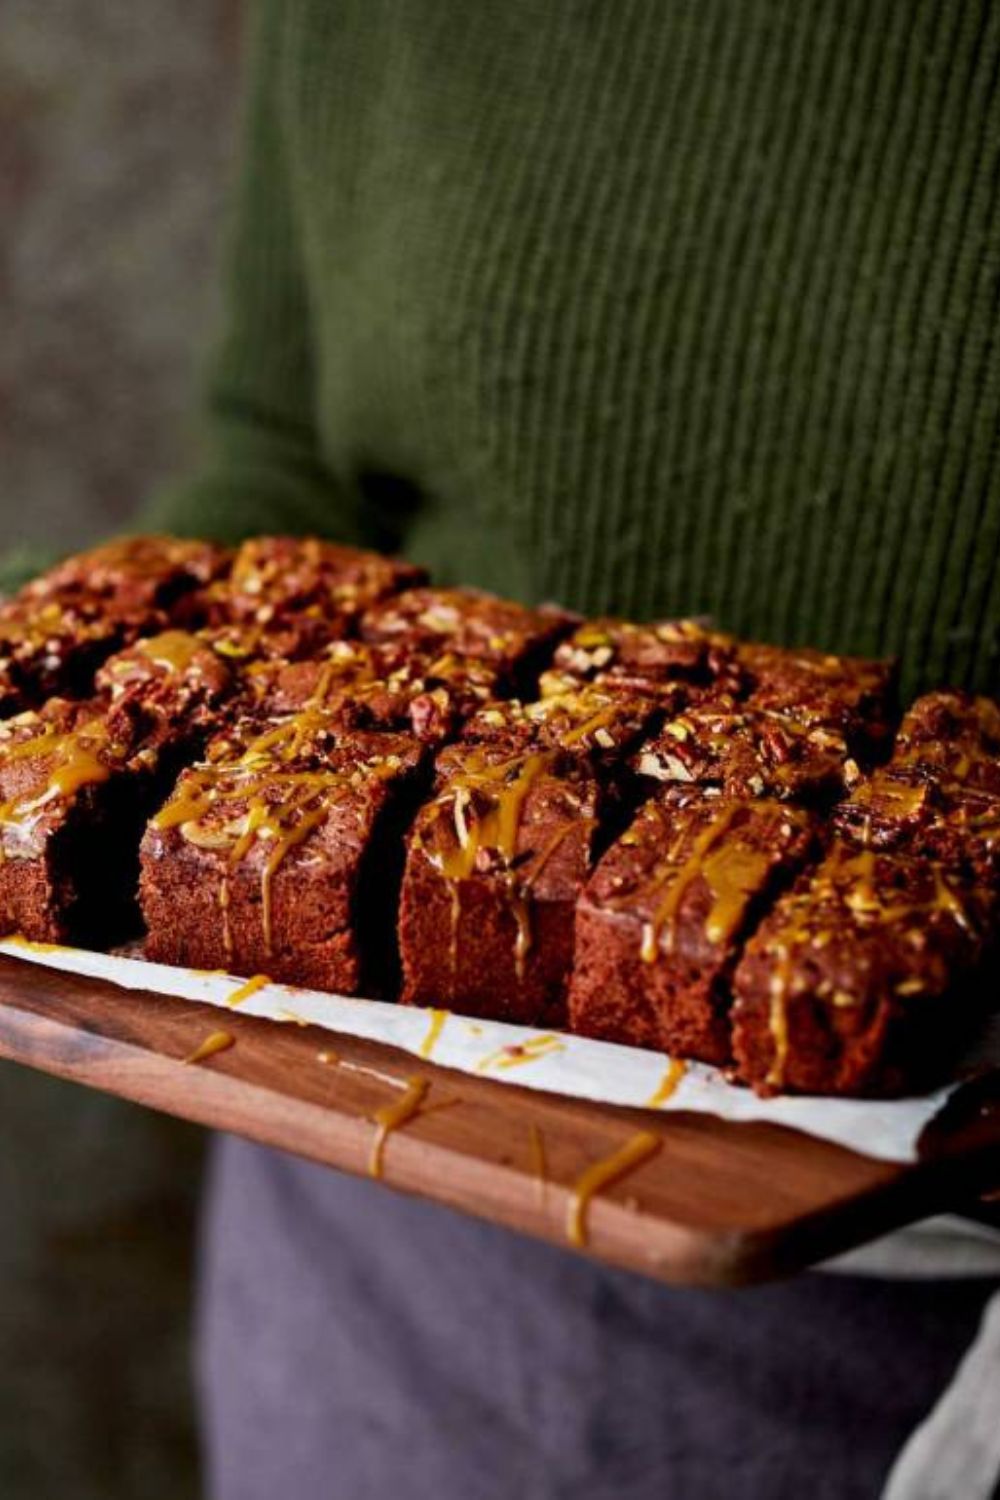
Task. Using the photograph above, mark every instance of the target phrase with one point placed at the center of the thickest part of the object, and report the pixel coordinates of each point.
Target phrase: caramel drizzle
(248, 988)
(392, 1117)
(436, 1026)
(582, 732)
(216, 1041)
(863, 901)
(516, 1054)
(780, 989)
(174, 650)
(677, 882)
(346, 668)
(258, 775)
(32, 945)
(610, 1169)
(506, 787)
(733, 875)
(668, 1084)
(78, 763)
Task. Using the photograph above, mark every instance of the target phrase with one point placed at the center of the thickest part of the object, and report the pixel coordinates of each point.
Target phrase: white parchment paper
(552, 1061)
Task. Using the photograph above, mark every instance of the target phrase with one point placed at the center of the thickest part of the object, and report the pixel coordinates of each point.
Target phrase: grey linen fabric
(955, 1452)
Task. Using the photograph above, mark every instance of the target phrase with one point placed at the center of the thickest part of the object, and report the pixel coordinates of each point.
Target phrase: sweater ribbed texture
(658, 306)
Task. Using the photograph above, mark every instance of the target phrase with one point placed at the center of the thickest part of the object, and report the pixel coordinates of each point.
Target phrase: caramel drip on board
(539, 1162)
(216, 1041)
(394, 1115)
(434, 1029)
(639, 1149)
(668, 1084)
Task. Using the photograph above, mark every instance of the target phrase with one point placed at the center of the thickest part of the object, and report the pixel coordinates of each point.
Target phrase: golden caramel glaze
(46, 758)
(475, 820)
(215, 1042)
(699, 857)
(172, 660)
(498, 855)
(247, 989)
(673, 1075)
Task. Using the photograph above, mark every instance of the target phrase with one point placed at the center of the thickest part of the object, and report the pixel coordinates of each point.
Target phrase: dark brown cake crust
(909, 812)
(661, 921)
(78, 781)
(313, 681)
(853, 695)
(749, 752)
(495, 862)
(645, 658)
(275, 855)
(133, 573)
(591, 722)
(939, 795)
(379, 687)
(469, 623)
(858, 982)
(278, 576)
(57, 631)
(954, 739)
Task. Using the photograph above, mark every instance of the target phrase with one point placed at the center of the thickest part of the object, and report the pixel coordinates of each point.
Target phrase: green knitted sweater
(653, 306)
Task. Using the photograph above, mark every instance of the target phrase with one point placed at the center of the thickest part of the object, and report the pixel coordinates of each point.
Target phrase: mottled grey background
(115, 144)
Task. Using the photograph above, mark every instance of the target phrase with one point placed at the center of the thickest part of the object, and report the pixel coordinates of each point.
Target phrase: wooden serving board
(717, 1204)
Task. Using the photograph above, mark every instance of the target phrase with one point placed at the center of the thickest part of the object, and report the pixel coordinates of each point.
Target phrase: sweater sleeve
(260, 468)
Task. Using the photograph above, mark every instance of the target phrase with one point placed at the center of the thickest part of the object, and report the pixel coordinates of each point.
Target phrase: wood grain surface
(712, 1203)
